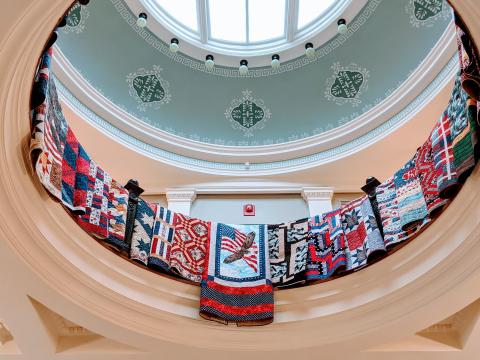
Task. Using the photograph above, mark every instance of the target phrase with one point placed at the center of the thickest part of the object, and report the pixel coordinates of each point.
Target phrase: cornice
(181, 195)
(317, 193)
(130, 127)
(271, 167)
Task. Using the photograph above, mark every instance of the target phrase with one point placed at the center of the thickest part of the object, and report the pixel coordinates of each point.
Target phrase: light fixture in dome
(83, 2)
(342, 26)
(174, 45)
(243, 69)
(275, 61)
(309, 50)
(142, 20)
(209, 62)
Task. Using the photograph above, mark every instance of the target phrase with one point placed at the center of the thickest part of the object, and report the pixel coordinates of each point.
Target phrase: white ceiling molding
(264, 168)
(194, 46)
(425, 73)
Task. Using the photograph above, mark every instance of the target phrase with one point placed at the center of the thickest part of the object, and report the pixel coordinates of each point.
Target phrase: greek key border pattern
(322, 51)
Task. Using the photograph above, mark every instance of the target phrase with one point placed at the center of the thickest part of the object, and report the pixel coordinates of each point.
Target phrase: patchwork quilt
(236, 285)
(162, 240)
(388, 208)
(465, 141)
(117, 217)
(361, 231)
(469, 60)
(142, 231)
(442, 140)
(95, 220)
(425, 169)
(326, 246)
(412, 206)
(287, 245)
(189, 247)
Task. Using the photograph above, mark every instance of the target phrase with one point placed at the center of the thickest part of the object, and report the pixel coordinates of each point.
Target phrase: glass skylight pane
(228, 20)
(266, 19)
(183, 11)
(309, 10)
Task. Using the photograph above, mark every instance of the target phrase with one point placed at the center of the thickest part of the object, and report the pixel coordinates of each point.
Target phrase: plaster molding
(193, 51)
(344, 135)
(263, 168)
(181, 195)
(317, 193)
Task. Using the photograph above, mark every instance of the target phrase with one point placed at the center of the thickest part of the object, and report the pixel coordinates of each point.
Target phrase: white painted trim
(258, 55)
(435, 61)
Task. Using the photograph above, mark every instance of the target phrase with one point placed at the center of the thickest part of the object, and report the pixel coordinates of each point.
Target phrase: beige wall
(270, 209)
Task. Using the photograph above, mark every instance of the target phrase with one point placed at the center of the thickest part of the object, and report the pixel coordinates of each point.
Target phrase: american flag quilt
(425, 169)
(162, 239)
(287, 246)
(49, 131)
(326, 246)
(189, 247)
(469, 60)
(236, 284)
(412, 206)
(388, 209)
(142, 231)
(117, 217)
(96, 216)
(362, 234)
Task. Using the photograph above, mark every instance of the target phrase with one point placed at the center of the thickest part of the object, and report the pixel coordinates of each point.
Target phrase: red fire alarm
(249, 210)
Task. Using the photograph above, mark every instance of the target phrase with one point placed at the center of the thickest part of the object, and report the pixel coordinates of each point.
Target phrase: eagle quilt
(236, 285)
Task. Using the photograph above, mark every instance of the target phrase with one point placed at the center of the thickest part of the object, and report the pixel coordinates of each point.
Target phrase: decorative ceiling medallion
(76, 19)
(426, 12)
(346, 84)
(149, 88)
(247, 113)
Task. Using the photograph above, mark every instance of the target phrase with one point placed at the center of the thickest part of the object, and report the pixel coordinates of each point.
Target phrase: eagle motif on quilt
(236, 284)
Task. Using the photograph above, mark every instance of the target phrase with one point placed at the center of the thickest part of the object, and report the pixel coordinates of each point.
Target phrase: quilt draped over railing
(237, 266)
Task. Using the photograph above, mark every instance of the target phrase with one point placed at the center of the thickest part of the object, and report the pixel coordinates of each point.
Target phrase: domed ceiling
(133, 71)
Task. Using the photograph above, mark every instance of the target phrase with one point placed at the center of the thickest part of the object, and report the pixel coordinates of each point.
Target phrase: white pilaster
(180, 200)
(319, 199)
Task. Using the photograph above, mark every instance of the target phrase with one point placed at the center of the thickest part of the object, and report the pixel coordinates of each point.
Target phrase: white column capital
(317, 193)
(181, 195)
(319, 199)
(180, 200)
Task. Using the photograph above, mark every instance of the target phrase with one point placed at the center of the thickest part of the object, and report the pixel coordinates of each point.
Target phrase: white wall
(269, 209)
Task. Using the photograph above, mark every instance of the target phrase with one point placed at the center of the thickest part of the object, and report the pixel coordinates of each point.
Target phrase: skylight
(183, 11)
(227, 20)
(310, 10)
(247, 26)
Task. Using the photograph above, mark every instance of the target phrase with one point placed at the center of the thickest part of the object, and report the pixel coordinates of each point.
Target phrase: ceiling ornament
(76, 18)
(148, 88)
(426, 12)
(347, 84)
(247, 113)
